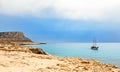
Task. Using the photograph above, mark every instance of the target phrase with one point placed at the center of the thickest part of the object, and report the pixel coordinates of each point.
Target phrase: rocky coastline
(15, 57)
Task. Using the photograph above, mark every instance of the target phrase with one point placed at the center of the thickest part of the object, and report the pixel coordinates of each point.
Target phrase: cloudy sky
(62, 20)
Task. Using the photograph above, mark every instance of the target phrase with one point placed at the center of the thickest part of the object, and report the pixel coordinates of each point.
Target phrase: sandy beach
(25, 61)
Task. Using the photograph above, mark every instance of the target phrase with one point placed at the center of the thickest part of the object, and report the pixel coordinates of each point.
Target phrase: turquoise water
(107, 53)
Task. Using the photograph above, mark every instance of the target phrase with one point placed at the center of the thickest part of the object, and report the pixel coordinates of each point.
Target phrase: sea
(108, 53)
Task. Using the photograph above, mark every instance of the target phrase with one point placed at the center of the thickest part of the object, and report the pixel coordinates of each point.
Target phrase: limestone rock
(37, 51)
(13, 37)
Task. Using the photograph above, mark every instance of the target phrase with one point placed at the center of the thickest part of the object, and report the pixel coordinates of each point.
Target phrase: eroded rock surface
(14, 37)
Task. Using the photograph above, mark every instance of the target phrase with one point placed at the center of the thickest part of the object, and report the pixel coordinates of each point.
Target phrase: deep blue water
(108, 53)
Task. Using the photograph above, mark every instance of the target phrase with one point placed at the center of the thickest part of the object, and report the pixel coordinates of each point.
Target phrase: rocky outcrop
(20, 48)
(37, 51)
(12, 41)
(13, 37)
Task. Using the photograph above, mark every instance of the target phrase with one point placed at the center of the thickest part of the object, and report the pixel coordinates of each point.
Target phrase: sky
(62, 20)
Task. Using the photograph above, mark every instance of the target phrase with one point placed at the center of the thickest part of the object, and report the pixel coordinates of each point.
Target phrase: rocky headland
(15, 57)
(14, 37)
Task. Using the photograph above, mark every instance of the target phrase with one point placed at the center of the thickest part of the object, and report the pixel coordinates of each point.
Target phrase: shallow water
(107, 53)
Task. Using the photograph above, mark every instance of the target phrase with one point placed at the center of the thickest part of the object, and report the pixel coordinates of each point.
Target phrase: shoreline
(27, 59)
(30, 43)
(28, 62)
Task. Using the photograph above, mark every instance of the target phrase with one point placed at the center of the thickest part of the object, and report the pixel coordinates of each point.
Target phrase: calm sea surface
(107, 53)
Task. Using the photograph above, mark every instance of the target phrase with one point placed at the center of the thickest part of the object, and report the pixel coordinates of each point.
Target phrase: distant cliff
(14, 37)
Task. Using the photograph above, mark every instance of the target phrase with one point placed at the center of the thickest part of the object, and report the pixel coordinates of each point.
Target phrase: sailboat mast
(94, 42)
(94, 47)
